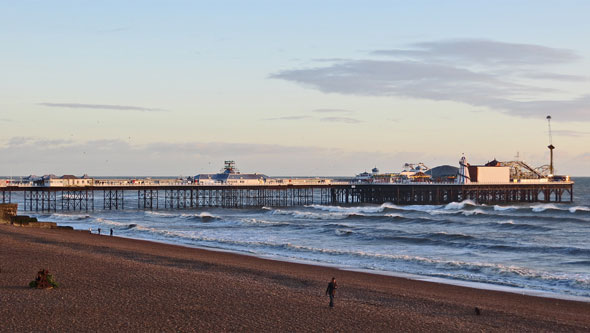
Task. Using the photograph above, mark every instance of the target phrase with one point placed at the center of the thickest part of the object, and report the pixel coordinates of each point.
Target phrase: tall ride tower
(551, 147)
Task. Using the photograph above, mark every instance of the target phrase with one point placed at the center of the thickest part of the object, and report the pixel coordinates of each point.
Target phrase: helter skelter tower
(551, 147)
(463, 175)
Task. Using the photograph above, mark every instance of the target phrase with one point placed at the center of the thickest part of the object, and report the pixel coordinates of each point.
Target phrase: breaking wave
(544, 207)
(204, 216)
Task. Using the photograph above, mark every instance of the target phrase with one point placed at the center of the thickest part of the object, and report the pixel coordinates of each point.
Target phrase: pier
(168, 197)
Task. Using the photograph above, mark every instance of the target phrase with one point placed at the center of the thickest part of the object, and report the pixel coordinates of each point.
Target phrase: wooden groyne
(236, 196)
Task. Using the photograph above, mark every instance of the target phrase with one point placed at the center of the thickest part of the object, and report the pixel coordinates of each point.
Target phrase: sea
(538, 248)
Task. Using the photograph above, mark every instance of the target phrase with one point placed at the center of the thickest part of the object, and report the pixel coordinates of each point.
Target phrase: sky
(290, 88)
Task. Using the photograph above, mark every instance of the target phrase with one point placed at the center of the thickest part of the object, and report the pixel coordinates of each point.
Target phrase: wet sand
(118, 284)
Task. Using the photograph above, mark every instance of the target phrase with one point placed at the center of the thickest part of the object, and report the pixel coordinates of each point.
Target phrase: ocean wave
(544, 207)
(578, 263)
(579, 209)
(204, 216)
(255, 221)
(364, 217)
(443, 212)
(557, 219)
(344, 232)
(417, 208)
(519, 226)
(504, 208)
(66, 217)
(390, 206)
(465, 212)
(352, 210)
(438, 238)
(460, 205)
(110, 222)
(310, 215)
(161, 214)
(476, 211)
(567, 250)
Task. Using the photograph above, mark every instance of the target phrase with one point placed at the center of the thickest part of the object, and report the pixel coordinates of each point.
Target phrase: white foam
(183, 215)
(579, 208)
(161, 214)
(69, 217)
(460, 205)
(343, 232)
(350, 210)
(110, 222)
(202, 215)
(504, 208)
(259, 221)
(311, 215)
(544, 207)
(476, 211)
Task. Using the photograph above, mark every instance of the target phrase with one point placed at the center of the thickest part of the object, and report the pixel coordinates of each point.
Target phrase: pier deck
(78, 198)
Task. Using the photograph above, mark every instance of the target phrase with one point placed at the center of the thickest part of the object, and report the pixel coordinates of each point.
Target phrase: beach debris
(44, 280)
(477, 311)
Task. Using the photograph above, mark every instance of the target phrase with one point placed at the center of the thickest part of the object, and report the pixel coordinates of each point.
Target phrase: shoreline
(403, 275)
(117, 283)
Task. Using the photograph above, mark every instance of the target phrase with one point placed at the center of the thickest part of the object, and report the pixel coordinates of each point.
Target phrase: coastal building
(489, 174)
(230, 176)
(365, 177)
(298, 181)
(65, 180)
(411, 169)
(443, 174)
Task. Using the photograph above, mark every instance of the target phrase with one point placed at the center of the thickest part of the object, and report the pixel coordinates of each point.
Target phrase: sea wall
(7, 212)
(8, 216)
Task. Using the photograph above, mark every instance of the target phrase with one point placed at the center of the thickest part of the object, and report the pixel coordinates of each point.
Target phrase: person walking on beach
(99, 231)
(111, 231)
(331, 291)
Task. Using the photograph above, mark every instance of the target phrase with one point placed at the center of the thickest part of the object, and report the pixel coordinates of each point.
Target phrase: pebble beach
(120, 284)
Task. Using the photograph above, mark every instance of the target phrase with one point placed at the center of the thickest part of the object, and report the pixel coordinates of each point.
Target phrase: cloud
(32, 155)
(577, 109)
(482, 51)
(346, 120)
(117, 157)
(100, 107)
(19, 141)
(459, 71)
(332, 111)
(288, 118)
(569, 133)
(6, 120)
(557, 77)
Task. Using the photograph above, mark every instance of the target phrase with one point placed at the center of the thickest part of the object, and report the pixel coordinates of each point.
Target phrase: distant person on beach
(331, 291)
(99, 231)
(111, 231)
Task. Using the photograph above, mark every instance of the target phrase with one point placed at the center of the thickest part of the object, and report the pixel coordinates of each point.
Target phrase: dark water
(540, 247)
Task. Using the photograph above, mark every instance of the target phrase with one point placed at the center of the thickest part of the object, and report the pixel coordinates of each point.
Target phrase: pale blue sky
(290, 87)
